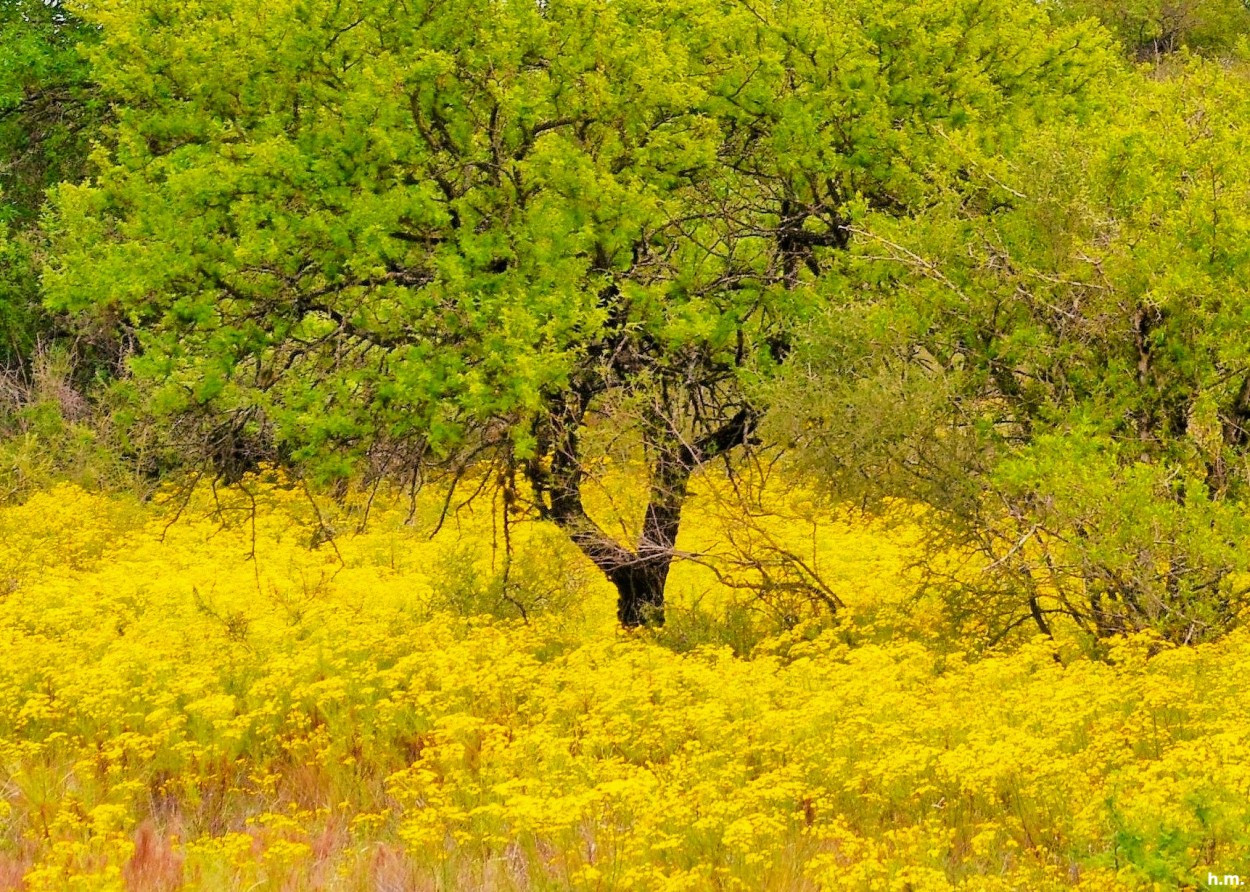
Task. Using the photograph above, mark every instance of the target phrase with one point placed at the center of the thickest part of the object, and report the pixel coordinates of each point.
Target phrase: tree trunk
(640, 592)
(639, 575)
(640, 582)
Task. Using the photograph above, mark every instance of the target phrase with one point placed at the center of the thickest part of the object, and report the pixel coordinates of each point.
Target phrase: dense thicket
(1150, 29)
(1053, 358)
(958, 253)
(47, 118)
(362, 237)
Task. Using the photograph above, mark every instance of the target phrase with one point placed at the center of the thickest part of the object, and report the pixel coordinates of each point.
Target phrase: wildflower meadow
(226, 702)
(624, 445)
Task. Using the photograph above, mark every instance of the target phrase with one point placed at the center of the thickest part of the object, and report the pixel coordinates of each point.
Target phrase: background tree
(1054, 361)
(1151, 29)
(47, 117)
(366, 237)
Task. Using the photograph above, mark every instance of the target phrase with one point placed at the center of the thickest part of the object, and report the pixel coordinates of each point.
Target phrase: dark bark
(640, 583)
(639, 575)
(1237, 419)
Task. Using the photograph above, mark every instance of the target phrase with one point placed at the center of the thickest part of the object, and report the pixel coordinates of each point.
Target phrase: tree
(1054, 361)
(363, 235)
(1151, 29)
(47, 118)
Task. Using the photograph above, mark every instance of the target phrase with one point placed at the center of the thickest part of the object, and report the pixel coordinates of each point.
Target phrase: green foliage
(47, 118)
(51, 433)
(1148, 29)
(47, 108)
(18, 303)
(362, 236)
(1054, 357)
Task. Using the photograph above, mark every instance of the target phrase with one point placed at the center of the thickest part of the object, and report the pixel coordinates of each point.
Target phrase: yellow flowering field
(252, 695)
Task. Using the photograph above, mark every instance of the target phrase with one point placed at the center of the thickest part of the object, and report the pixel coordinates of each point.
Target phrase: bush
(540, 577)
(51, 431)
(1053, 360)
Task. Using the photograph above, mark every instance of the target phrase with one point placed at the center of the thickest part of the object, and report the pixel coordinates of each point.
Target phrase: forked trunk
(640, 581)
(639, 574)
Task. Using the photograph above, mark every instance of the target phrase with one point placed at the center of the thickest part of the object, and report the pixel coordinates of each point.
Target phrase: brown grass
(390, 870)
(12, 870)
(155, 866)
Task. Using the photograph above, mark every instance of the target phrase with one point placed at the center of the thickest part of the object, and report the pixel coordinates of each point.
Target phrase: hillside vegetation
(624, 445)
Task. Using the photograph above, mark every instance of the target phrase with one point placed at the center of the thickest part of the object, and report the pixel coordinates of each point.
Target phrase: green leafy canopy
(371, 235)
